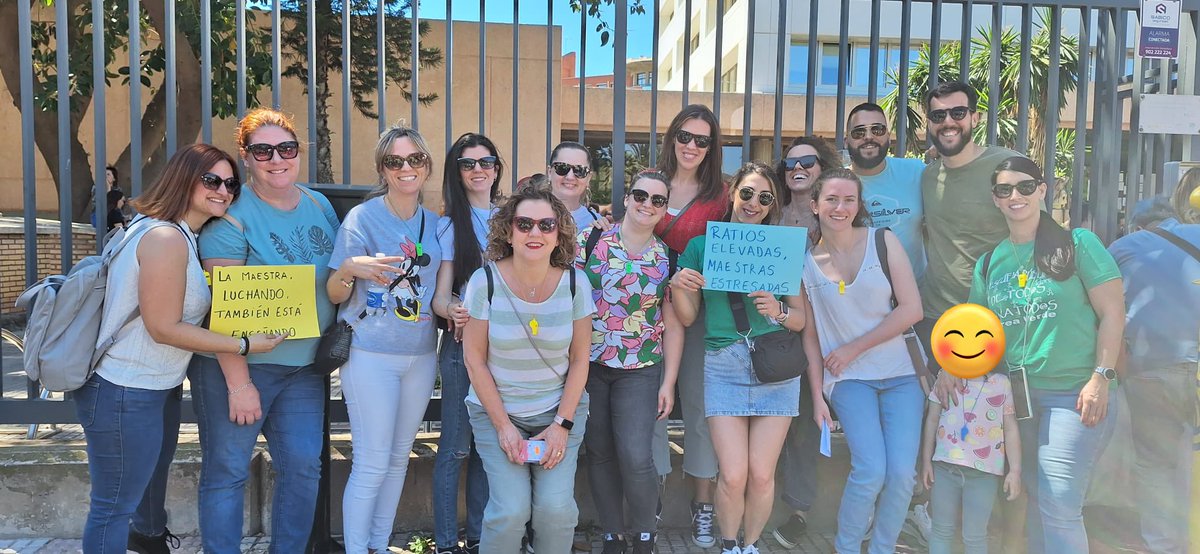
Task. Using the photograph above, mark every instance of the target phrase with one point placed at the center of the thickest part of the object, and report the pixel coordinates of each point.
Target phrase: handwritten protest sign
(745, 258)
(265, 299)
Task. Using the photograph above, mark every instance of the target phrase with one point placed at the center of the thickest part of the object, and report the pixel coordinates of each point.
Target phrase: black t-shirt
(114, 217)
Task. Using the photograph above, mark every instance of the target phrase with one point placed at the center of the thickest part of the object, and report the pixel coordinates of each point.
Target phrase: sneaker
(527, 542)
(456, 549)
(917, 526)
(790, 532)
(472, 547)
(613, 544)
(702, 525)
(644, 544)
(751, 548)
(146, 544)
(731, 547)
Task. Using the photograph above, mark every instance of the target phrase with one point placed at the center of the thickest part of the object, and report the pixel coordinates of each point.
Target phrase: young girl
(963, 451)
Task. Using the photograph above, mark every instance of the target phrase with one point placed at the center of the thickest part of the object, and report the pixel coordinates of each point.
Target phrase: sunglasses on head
(877, 129)
(640, 196)
(957, 113)
(416, 160)
(468, 164)
(263, 152)
(525, 224)
(563, 168)
(1026, 188)
(684, 137)
(805, 162)
(213, 182)
(764, 198)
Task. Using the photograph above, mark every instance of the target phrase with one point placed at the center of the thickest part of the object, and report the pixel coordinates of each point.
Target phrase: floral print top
(628, 289)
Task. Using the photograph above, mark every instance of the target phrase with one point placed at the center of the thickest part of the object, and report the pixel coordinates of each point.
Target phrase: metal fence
(1112, 164)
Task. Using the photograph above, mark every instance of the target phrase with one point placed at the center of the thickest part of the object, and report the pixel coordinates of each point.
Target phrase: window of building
(695, 41)
(829, 64)
(798, 65)
(642, 79)
(729, 79)
(858, 70)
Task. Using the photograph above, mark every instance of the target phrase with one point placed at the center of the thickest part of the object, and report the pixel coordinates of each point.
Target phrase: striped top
(527, 384)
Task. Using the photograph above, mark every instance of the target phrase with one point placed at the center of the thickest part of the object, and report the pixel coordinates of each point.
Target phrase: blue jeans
(522, 493)
(455, 447)
(882, 421)
(966, 491)
(1058, 452)
(1162, 408)
(293, 407)
(131, 435)
(798, 462)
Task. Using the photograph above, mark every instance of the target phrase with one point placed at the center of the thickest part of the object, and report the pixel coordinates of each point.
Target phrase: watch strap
(564, 422)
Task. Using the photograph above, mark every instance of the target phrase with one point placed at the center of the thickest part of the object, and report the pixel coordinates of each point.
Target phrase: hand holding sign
(271, 300)
(688, 279)
(265, 342)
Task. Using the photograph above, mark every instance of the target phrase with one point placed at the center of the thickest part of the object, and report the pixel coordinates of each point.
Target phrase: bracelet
(244, 349)
(347, 284)
(241, 387)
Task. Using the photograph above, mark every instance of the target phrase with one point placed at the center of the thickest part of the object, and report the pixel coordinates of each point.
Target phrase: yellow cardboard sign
(265, 299)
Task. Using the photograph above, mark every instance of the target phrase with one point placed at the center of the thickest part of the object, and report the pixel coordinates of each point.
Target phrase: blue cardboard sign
(744, 258)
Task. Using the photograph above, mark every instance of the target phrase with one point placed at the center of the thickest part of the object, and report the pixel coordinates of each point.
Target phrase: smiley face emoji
(968, 340)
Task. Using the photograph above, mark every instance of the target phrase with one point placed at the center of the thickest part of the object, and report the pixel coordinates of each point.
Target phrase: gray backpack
(62, 335)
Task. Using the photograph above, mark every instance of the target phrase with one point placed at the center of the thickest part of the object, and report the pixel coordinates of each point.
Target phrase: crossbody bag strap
(1178, 241)
(679, 216)
(525, 328)
(911, 340)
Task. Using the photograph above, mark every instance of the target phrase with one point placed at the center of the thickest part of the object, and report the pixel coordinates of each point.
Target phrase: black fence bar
(346, 153)
(276, 57)
(1139, 169)
(653, 144)
(414, 64)
(311, 57)
(28, 177)
(1078, 183)
(844, 54)
(1023, 80)
(172, 90)
(964, 50)
(206, 108)
(381, 65)
(935, 44)
(582, 68)
(687, 48)
(99, 125)
(993, 103)
(483, 68)
(62, 78)
(135, 96)
(240, 6)
(550, 113)
(810, 88)
(1052, 106)
(620, 35)
(747, 89)
(516, 64)
(449, 113)
(873, 76)
(718, 54)
(902, 105)
(781, 42)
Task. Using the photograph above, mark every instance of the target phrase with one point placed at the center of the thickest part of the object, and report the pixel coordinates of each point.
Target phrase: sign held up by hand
(745, 258)
(265, 299)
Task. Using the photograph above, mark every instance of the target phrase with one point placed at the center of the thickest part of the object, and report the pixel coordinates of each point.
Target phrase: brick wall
(12, 257)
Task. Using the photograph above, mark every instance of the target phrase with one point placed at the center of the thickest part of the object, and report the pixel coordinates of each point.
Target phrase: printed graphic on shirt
(1017, 305)
(406, 288)
(886, 211)
(300, 247)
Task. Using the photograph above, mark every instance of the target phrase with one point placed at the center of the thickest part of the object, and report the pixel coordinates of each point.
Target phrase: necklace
(962, 433)
(533, 322)
(1022, 275)
(629, 252)
(420, 237)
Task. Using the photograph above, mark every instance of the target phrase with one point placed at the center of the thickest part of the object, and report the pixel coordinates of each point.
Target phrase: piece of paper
(265, 299)
(745, 258)
(826, 449)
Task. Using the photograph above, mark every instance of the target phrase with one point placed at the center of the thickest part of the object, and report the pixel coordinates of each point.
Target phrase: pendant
(533, 327)
(962, 433)
(1022, 279)
(842, 287)
(420, 250)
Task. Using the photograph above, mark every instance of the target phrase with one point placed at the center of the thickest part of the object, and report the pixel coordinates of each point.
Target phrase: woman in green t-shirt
(1059, 296)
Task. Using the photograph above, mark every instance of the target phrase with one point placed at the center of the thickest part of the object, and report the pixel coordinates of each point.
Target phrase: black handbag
(334, 348)
(776, 356)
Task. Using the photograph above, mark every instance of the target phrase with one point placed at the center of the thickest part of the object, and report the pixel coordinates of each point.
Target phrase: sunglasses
(525, 224)
(958, 113)
(684, 137)
(264, 152)
(1026, 188)
(877, 129)
(805, 162)
(416, 160)
(764, 198)
(562, 168)
(213, 182)
(468, 164)
(640, 196)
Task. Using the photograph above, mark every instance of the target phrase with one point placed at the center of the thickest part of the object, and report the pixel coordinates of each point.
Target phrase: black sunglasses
(805, 162)
(877, 129)
(416, 160)
(684, 137)
(213, 182)
(264, 152)
(468, 164)
(1026, 188)
(525, 224)
(640, 196)
(562, 168)
(764, 198)
(957, 113)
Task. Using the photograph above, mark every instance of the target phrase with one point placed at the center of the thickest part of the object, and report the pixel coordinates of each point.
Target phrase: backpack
(62, 336)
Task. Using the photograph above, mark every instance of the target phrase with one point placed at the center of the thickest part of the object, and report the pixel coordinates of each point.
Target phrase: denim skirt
(731, 389)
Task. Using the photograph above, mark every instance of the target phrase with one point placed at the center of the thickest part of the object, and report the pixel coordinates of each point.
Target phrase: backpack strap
(1178, 241)
(572, 279)
(592, 240)
(672, 262)
(987, 261)
(491, 283)
(881, 253)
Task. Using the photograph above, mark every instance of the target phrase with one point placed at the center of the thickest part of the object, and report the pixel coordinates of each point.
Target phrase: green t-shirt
(1049, 325)
(720, 330)
(961, 224)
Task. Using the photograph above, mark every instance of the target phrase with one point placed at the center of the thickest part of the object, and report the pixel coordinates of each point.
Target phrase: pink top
(694, 221)
(981, 413)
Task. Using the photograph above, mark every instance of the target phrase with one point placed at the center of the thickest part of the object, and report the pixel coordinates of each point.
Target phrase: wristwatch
(1108, 373)
(564, 422)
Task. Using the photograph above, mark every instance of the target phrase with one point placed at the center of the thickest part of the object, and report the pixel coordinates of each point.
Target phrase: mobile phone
(534, 450)
(1020, 391)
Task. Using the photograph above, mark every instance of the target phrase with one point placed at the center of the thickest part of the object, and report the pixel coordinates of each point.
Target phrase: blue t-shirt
(479, 223)
(893, 199)
(270, 236)
(372, 228)
(1162, 293)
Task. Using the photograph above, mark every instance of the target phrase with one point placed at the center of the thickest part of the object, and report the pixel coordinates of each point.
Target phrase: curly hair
(825, 156)
(500, 227)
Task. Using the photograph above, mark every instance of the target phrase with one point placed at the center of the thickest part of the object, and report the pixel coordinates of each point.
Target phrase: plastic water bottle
(376, 295)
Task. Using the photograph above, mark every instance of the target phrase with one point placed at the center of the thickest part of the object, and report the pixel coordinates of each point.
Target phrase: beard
(964, 137)
(872, 162)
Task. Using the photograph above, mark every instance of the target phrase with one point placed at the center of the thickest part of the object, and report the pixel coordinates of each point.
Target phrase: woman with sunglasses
(637, 343)
(804, 160)
(470, 184)
(858, 359)
(691, 158)
(274, 222)
(1059, 295)
(156, 298)
(526, 348)
(748, 419)
(388, 379)
(570, 173)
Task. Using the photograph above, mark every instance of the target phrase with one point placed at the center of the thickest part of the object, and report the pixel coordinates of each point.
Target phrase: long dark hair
(861, 217)
(709, 172)
(467, 257)
(1053, 246)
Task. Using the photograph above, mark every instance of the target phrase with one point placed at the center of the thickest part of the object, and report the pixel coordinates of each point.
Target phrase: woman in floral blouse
(636, 346)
